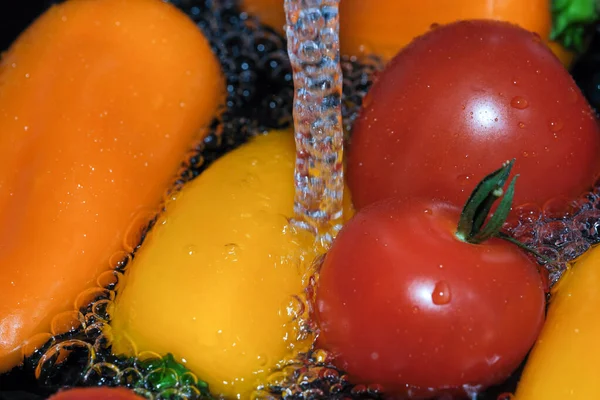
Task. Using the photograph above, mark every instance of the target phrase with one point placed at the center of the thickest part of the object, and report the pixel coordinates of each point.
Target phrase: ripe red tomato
(403, 303)
(462, 99)
(98, 393)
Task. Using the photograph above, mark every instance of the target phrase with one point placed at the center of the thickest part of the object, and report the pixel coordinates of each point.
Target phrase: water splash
(313, 46)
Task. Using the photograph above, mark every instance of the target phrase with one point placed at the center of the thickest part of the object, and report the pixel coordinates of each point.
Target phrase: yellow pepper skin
(212, 280)
(562, 364)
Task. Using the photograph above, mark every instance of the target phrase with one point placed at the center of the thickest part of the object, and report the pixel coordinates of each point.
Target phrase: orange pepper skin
(563, 362)
(385, 26)
(100, 101)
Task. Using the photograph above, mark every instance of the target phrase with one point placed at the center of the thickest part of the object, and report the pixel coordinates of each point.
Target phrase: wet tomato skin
(401, 302)
(99, 393)
(460, 100)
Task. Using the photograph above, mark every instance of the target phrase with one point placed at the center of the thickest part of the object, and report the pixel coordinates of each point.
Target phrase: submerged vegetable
(408, 301)
(99, 103)
(216, 278)
(386, 26)
(562, 364)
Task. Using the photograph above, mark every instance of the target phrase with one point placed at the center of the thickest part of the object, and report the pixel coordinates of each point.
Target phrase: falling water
(313, 46)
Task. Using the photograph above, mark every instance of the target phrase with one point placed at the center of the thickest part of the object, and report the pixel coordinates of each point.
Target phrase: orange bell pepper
(562, 364)
(385, 26)
(99, 103)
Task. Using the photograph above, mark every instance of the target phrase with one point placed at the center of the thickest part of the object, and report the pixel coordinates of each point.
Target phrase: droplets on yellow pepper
(212, 280)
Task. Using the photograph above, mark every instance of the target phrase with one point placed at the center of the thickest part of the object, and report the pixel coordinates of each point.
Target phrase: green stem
(528, 249)
(476, 226)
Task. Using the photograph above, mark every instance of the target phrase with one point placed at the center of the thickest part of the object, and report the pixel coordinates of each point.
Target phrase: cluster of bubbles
(77, 351)
(560, 231)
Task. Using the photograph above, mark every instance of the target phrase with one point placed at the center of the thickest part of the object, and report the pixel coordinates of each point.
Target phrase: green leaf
(570, 22)
(497, 220)
(480, 202)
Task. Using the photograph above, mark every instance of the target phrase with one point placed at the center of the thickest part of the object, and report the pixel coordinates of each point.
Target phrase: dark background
(15, 15)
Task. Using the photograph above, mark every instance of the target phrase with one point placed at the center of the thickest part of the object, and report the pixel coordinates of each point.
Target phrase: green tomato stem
(476, 226)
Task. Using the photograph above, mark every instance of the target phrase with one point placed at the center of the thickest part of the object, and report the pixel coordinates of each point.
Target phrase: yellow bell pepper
(213, 279)
(562, 363)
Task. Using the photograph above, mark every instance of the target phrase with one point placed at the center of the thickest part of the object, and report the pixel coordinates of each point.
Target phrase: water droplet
(464, 179)
(190, 249)
(441, 294)
(428, 211)
(556, 125)
(521, 125)
(572, 95)
(263, 360)
(519, 103)
(415, 310)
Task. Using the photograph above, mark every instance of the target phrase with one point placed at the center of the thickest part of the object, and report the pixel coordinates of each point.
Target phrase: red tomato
(459, 101)
(403, 303)
(98, 393)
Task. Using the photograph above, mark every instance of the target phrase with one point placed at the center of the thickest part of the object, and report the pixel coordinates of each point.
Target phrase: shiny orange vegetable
(385, 26)
(563, 363)
(99, 103)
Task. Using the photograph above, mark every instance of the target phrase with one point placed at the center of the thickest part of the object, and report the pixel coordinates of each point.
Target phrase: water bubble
(555, 233)
(119, 260)
(145, 393)
(67, 321)
(59, 353)
(519, 103)
(36, 343)
(441, 294)
(129, 378)
(161, 378)
(102, 374)
(88, 296)
(109, 279)
(137, 227)
(557, 208)
(521, 125)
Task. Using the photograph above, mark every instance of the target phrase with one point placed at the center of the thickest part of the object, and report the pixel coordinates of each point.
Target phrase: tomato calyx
(472, 226)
